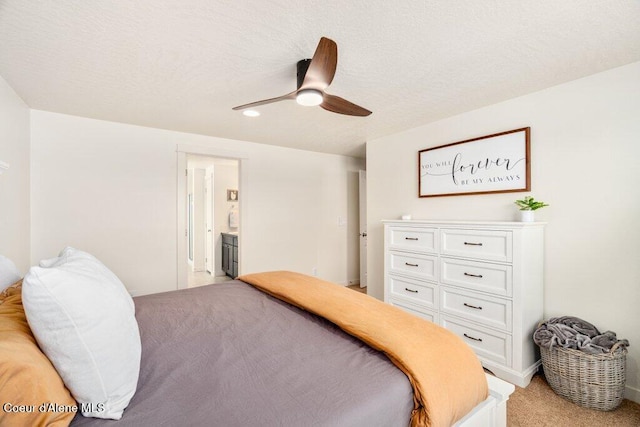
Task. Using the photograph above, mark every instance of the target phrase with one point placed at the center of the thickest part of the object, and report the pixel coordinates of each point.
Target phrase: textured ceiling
(183, 65)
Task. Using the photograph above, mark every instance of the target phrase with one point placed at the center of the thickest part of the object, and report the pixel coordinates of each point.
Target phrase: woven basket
(594, 381)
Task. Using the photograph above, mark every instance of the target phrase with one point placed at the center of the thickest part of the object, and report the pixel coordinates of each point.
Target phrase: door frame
(182, 150)
(209, 209)
(362, 229)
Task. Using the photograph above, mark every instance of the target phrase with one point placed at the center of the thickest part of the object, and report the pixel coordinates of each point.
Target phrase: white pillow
(84, 321)
(9, 274)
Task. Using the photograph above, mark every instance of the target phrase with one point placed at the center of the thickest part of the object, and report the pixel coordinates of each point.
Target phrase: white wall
(294, 201)
(14, 182)
(585, 151)
(110, 189)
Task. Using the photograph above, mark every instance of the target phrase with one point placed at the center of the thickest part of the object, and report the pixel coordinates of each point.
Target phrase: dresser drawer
(487, 245)
(487, 310)
(478, 276)
(414, 238)
(486, 343)
(429, 315)
(416, 265)
(422, 293)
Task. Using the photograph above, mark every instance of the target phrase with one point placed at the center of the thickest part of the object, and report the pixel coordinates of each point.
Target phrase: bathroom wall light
(251, 113)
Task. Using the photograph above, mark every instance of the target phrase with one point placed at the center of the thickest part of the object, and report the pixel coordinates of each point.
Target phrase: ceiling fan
(314, 77)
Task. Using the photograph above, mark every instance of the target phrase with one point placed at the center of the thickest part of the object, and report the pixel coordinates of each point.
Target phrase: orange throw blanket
(446, 376)
(27, 377)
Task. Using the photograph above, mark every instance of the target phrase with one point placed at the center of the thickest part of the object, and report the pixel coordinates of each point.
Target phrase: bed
(225, 353)
(284, 349)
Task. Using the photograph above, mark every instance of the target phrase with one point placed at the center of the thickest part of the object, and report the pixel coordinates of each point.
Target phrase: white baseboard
(632, 394)
(354, 282)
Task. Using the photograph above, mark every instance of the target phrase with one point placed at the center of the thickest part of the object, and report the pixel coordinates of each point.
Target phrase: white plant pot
(527, 216)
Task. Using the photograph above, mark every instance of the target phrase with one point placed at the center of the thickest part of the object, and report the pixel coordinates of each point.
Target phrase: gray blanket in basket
(575, 333)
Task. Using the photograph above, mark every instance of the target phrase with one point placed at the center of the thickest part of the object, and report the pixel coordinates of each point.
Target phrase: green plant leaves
(529, 204)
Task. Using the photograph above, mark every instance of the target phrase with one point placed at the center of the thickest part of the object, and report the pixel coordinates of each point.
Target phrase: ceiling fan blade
(291, 95)
(342, 106)
(323, 66)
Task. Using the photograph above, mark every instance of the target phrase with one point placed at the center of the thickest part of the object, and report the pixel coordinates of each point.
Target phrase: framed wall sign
(496, 163)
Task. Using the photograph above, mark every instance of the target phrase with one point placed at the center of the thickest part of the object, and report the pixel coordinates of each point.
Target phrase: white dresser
(481, 280)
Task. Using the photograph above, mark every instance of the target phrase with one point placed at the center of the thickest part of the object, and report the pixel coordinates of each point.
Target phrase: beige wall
(14, 182)
(585, 151)
(110, 189)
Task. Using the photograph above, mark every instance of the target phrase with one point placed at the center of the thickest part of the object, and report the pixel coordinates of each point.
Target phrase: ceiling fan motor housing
(302, 66)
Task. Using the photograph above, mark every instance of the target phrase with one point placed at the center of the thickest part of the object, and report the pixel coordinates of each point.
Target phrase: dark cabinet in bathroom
(230, 254)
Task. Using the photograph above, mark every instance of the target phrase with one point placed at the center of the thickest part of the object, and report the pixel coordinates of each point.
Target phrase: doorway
(213, 211)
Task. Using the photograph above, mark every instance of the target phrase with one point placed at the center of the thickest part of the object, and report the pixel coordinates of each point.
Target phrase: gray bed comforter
(230, 355)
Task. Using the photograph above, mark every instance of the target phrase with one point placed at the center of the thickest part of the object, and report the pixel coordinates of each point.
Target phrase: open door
(362, 192)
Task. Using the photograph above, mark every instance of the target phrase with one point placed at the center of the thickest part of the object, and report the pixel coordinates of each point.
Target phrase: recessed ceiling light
(251, 113)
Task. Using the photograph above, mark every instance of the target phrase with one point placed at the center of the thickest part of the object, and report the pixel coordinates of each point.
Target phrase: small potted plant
(527, 206)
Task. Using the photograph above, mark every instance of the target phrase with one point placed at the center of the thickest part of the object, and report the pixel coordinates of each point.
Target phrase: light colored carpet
(537, 405)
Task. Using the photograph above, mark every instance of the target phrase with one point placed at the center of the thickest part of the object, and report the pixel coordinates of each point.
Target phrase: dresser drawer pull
(473, 275)
(472, 244)
(411, 290)
(411, 265)
(477, 307)
(410, 238)
(472, 338)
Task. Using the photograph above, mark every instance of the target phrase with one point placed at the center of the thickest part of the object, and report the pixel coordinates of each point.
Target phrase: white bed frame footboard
(492, 412)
